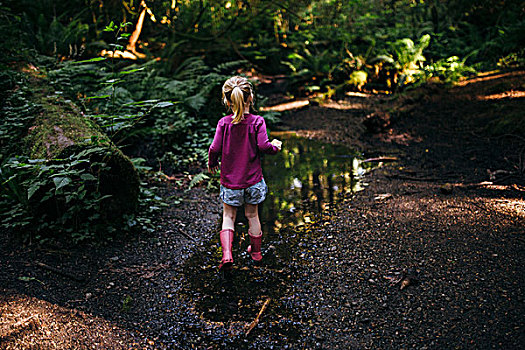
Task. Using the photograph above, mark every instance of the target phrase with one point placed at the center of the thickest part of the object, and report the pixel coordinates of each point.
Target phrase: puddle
(306, 180)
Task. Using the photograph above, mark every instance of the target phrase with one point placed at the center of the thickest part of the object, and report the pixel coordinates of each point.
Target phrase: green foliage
(376, 39)
(197, 179)
(150, 205)
(358, 78)
(449, 70)
(53, 32)
(267, 32)
(318, 43)
(408, 57)
(163, 109)
(137, 106)
(16, 115)
(310, 67)
(56, 198)
(60, 199)
(126, 303)
(513, 60)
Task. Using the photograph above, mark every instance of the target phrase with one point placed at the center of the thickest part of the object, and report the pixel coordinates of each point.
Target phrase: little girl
(239, 140)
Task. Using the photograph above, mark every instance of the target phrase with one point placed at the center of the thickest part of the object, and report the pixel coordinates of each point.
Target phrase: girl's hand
(214, 169)
(276, 143)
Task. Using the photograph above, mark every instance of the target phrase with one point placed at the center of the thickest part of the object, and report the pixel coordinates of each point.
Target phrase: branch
(256, 320)
(21, 322)
(381, 159)
(280, 5)
(199, 16)
(60, 272)
(179, 231)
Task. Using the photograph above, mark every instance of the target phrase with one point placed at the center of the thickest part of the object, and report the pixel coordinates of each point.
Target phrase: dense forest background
(91, 86)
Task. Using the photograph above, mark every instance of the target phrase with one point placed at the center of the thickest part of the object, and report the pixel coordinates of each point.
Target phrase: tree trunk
(132, 45)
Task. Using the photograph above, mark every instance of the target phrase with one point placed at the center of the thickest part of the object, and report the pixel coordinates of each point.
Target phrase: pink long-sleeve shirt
(240, 146)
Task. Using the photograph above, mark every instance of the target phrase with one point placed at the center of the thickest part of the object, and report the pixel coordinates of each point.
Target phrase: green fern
(228, 67)
(197, 179)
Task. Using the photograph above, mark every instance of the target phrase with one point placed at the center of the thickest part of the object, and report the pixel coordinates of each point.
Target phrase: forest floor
(429, 255)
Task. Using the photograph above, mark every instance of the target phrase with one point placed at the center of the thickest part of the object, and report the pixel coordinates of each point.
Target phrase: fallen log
(61, 130)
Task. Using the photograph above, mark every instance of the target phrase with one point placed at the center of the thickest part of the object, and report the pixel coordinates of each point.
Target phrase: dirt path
(425, 222)
(422, 222)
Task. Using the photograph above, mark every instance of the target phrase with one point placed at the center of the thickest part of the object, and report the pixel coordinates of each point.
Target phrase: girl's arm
(263, 143)
(215, 149)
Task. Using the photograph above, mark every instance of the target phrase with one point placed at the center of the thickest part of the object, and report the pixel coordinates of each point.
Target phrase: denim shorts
(252, 195)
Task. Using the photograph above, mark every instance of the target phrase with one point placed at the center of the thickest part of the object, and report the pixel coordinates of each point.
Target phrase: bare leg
(228, 217)
(252, 214)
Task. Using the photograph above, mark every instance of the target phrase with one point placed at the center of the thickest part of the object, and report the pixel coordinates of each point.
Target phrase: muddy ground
(429, 255)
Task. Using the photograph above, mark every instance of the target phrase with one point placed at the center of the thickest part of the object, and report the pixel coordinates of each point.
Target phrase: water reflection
(306, 177)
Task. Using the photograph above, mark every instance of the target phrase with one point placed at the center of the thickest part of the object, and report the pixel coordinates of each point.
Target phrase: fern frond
(197, 179)
(228, 67)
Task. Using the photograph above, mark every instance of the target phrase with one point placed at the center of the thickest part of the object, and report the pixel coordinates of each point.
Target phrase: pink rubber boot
(255, 247)
(226, 244)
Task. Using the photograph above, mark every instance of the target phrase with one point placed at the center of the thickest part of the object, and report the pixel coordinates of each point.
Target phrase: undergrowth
(163, 123)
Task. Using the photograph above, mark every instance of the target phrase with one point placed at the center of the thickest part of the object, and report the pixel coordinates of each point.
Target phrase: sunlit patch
(296, 183)
(151, 14)
(122, 54)
(511, 206)
(28, 322)
(344, 106)
(29, 68)
(486, 76)
(287, 106)
(506, 94)
(490, 185)
(358, 94)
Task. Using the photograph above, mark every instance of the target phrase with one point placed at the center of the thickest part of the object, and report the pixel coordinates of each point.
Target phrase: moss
(60, 130)
(60, 126)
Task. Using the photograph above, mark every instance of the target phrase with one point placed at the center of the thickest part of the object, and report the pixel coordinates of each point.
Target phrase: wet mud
(306, 180)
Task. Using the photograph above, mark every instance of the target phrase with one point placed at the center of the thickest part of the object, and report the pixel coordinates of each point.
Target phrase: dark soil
(429, 255)
(427, 221)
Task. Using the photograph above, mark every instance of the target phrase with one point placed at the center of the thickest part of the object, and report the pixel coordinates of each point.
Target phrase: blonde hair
(236, 93)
